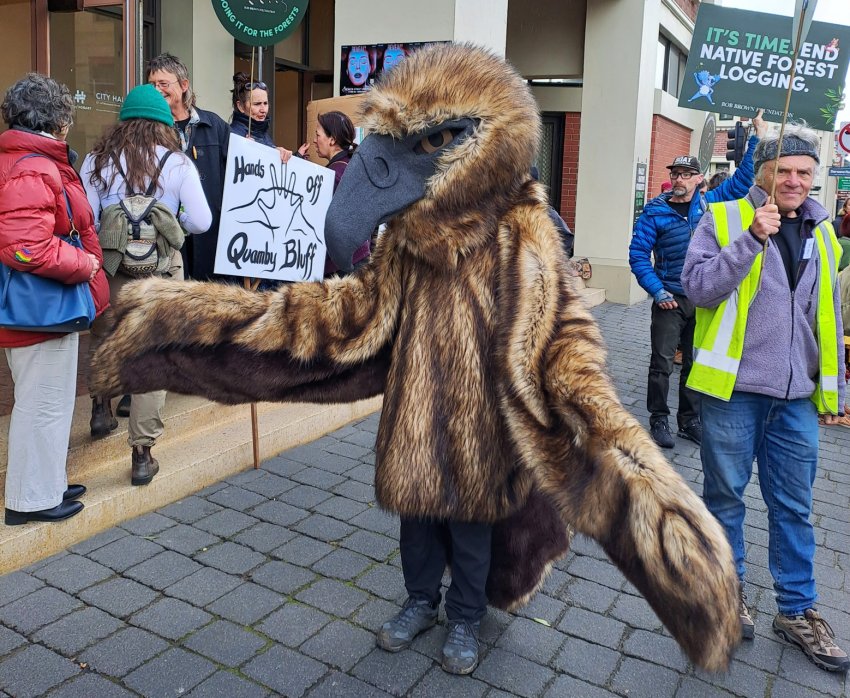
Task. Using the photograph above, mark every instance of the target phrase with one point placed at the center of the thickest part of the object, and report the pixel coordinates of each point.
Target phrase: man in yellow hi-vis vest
(762, 274)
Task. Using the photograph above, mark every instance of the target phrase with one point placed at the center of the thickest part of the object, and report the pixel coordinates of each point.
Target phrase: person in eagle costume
(497, 407)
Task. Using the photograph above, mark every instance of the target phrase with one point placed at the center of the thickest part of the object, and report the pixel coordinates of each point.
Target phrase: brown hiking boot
(102, 420)
(812, 634)
(145, 466)
(748, 628)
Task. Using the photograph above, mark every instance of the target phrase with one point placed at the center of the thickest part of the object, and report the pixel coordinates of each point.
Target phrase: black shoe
(460, 652)
(123, 407)
(62, 511)
(145, 466)
(102, 420)
(692, 431)
(74, 492)
(659, 430)
(397, 633)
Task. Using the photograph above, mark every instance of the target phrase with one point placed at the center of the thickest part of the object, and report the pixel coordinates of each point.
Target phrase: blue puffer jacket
(663, 232)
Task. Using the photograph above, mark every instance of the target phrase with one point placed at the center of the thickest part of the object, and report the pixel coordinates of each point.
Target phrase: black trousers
(426, 546)
(671, 329)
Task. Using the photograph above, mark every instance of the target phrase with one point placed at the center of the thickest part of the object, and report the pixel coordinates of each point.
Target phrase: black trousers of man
(671, 329)
(426, 546)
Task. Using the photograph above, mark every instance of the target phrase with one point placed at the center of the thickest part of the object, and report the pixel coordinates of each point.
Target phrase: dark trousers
(671, 329)
(425, 547)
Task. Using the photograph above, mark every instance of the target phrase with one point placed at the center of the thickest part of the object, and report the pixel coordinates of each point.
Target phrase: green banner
(260, 22)
(740, 61)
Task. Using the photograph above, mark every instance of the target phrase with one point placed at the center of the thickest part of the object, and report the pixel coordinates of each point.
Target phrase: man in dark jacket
(204, 137)
(664, 230)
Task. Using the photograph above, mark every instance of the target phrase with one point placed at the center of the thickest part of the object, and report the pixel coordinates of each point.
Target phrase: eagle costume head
(497, 405)
(448, 128)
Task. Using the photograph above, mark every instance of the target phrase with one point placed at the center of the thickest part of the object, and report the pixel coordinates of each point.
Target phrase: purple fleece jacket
(780, 356)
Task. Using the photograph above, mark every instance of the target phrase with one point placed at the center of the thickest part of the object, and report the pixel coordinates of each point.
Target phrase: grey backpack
(141, 257)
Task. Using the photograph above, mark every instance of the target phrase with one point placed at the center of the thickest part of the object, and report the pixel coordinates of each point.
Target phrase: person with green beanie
(141, 153)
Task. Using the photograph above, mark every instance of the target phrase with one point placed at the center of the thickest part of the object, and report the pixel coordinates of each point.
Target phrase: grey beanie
(800, 141)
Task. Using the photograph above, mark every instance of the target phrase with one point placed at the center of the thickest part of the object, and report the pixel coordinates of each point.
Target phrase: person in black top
(251, 112)
(203, 137)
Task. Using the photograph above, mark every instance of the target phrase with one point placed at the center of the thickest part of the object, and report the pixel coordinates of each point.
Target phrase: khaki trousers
(145, 425)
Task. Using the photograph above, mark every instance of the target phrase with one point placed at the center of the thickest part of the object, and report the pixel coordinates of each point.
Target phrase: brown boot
(102, 420)
(145, 466)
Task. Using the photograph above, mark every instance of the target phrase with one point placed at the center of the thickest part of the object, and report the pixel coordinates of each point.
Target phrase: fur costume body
(497, 406)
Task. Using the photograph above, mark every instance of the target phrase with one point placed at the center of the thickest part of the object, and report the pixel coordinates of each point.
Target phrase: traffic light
(736, 142)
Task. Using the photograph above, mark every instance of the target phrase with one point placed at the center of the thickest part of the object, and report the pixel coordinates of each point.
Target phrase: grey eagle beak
(385, 176)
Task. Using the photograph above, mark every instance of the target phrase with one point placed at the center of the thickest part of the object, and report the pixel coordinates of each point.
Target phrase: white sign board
(272, 215)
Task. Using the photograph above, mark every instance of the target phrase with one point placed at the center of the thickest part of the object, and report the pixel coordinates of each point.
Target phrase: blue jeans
(782, 435)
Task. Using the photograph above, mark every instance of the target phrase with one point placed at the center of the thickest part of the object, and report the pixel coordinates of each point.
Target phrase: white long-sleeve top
(179, 189)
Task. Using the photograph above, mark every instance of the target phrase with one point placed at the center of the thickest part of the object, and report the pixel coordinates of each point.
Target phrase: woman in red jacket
(33, 216)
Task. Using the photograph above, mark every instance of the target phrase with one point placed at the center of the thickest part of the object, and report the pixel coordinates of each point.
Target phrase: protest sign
(272, 215)
(260, 22)
(740, 61)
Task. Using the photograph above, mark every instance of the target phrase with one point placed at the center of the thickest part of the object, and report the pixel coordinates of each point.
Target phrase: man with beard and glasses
(664, 230)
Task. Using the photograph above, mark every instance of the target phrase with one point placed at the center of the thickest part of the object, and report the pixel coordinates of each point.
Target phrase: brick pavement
(274, 581)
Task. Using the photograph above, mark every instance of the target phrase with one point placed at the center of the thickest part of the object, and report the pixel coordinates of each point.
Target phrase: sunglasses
(255, 86)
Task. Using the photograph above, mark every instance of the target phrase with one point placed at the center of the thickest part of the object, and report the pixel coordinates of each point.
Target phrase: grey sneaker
(812, 634)
(659, 430)
(748, 628)
(460, 652)
(397, 633)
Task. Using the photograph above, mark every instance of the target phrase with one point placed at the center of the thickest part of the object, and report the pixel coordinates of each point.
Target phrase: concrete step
(592, 296)
(204, 442)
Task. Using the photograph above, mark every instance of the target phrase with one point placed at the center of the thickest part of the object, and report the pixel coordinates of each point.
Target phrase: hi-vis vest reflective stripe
(720, 331)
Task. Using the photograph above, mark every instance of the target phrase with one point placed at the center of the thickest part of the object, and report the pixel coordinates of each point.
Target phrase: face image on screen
(392, 56)
(358, 67)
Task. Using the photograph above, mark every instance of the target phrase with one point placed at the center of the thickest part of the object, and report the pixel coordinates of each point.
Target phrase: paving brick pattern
(274, 581)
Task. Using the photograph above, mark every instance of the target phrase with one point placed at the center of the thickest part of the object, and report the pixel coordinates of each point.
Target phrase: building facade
(606, 74)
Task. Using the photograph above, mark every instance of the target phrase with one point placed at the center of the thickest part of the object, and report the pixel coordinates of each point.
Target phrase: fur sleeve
(318, 342)
(597, 464)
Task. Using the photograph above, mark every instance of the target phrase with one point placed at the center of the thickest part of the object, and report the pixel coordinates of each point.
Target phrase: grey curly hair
(170, 63)
(39, 103)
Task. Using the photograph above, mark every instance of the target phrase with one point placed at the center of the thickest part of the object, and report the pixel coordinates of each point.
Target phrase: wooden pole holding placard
(791, 76)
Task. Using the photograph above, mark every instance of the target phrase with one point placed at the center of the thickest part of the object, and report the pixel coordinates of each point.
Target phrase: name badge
(808, 246)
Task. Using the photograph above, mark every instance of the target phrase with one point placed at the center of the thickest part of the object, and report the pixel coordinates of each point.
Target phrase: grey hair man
(204, 137)
(762, 272)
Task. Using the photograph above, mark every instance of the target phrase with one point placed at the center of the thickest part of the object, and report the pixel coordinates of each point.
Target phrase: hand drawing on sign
(266, 199)
(273, 215)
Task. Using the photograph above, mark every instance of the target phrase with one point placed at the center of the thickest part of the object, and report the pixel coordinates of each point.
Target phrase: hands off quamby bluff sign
(740, 61)
(260, 22)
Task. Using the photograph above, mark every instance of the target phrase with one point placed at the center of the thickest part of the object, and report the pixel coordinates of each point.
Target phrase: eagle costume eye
(434, 141)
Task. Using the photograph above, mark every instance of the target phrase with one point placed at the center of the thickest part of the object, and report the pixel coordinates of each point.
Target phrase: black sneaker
(397, 633)
(460, 652)
(659, 430)
(692, 431)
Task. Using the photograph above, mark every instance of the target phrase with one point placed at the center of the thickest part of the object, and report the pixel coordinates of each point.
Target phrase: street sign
(839, 171)
(844, 138)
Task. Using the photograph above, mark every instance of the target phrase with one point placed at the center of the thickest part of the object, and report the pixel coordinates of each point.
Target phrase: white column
(191, 31)
(616, 132)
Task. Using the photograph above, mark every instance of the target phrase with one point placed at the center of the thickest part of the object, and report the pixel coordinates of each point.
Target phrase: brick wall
(689, 7)
(569, 181)
(668, 140)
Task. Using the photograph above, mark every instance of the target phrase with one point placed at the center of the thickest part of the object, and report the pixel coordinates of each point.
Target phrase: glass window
(660, 64)
(670, 66)
(87, 55)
